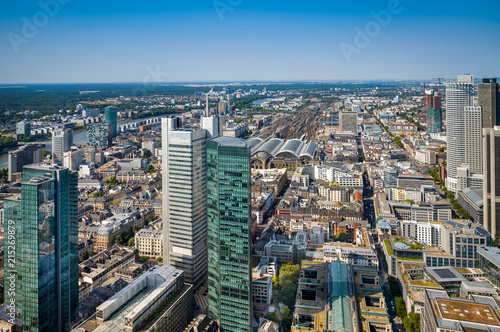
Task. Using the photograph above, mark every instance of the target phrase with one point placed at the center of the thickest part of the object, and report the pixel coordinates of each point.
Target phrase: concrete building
(459, 95)
(472, 201)
(136, 307)
(62, 140)
(213, 126)
(25, 155)
(488, 93)
(23, 128)
(235, 130)
(73, 159)
(149, 242)
(488, 259)
(473, 138)
(184, 199)
(348, 121)
(442, 313)
(100, 135)
(491, 178)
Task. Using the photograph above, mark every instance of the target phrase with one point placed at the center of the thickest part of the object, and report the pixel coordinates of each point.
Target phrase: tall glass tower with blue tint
(46, 248)
(110, 116)
(229, 234)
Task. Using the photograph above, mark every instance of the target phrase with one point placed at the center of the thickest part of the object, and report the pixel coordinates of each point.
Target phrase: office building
(474, 138)
(491, 180)
(110, 116)
(442, 313)
(25, 155)
(390, 177)
(229, 234)
(100, 135)
(434, 113)
(488, 97)
(62, 140)
(184, 199)
(223, 107)
(459, 95)
(472, 201)
(158, 300)
(73, 159)
(348, 121)
(149, 242)
(23, 128)
(46, 274)
(213, 126)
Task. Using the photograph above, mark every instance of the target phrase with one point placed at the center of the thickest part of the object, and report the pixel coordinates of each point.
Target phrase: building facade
(459, 95)
(62, 140)
(110, 116)
(229, 234)
(491, 180)
(348, 121)
(473, 138)
(488, 93)
(47, 273)
(100, 135)
(184, 200)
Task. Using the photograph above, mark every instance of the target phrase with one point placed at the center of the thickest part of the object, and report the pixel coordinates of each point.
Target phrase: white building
(149, 242)
(458, 96)
(474, 138)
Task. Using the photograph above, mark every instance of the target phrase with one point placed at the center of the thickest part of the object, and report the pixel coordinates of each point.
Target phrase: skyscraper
(473, 139)
(491, 180)
(434, 117)
(62, 140)
(184, 199)
(458, 96)
(110, 116)
(488, 94)
(45, 261)
(229, 234)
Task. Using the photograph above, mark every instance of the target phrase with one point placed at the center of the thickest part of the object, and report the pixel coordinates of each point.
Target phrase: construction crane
(439, 83)
(72, 153)
(424, 83)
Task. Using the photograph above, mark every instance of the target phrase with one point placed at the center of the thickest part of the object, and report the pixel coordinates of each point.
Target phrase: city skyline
(242, 41)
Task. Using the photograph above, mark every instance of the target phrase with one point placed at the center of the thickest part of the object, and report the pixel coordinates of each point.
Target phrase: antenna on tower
(206, 110)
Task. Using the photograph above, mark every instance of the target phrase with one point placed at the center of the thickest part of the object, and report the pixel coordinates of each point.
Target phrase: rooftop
(467, 311)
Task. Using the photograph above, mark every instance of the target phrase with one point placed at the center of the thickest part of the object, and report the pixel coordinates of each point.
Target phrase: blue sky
(245, 40)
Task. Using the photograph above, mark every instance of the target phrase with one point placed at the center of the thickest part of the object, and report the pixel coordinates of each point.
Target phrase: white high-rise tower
(458, 96)
(184, 168)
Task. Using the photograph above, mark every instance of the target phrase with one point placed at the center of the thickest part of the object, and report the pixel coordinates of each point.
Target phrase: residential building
(184, 199)
(434, 113)
(23, 128)
(229, 234)
(459, 95)
(149, 242)
(26, 155)
(62, 140)
(110, 117)
(100, 135)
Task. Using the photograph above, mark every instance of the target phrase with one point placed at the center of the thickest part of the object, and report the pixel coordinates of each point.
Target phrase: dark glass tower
(110, 116)
(46, 248)
(488, 97)
(229, 234)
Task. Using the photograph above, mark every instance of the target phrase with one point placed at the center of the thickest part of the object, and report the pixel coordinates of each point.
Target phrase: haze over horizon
(245, 41)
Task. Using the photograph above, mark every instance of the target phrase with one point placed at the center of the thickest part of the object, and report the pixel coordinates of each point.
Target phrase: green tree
(273, 317)
(46, 153)
(411, 323)
(118, 239)
(286, 318)
(342, 237)
(4, 175)
(159, 259)
(150, 169)
(400, 307)
(131, 242)
(143, 259)
(91, 253)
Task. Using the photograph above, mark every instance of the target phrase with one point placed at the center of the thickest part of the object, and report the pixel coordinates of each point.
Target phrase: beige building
(149, 242)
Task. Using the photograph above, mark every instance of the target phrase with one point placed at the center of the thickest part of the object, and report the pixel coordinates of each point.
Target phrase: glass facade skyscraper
(45, 262)
(110, 116)
(229, 234)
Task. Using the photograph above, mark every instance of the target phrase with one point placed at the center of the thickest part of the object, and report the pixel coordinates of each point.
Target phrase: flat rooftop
(467, 311)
